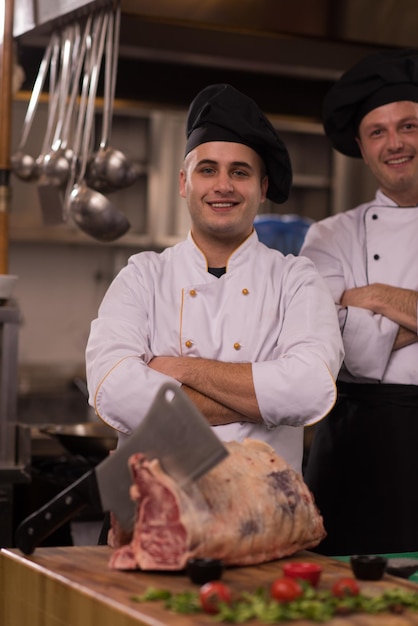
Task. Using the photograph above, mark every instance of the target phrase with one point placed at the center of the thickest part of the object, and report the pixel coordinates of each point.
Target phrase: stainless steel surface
(269, 35)
(23, 164)
(175, 433)
(110, 169)
(14, 439)
(55, 165)
(30, 15)
(92, 211)
(9, 327)
(85, 439)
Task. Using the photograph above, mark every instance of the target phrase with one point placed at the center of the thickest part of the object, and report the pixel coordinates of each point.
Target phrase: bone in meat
(251, 508)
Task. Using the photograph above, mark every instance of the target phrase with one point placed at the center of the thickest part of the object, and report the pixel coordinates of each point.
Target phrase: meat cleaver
(174, 431)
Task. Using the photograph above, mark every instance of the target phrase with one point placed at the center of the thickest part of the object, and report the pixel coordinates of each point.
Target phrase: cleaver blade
(173, 431)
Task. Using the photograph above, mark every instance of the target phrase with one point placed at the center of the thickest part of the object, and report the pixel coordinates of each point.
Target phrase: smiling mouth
(398, 160)
(222, 205)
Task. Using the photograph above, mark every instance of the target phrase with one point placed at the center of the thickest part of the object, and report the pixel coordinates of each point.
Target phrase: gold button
(193, 292)
(189, 343)
(245, 292)
(237, 346)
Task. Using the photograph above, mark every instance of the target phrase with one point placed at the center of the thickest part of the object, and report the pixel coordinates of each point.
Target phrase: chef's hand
(395, 303)
(404, 338)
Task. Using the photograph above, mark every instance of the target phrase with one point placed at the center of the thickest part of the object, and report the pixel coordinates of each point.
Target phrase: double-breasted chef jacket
(362, 463)
(373, 243)
(267, 309)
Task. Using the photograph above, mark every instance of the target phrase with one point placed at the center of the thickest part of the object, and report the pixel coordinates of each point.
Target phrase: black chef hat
(222, 113)
(378, 79)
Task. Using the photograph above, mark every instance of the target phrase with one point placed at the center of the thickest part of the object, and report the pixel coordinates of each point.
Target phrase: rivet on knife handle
(32, 530)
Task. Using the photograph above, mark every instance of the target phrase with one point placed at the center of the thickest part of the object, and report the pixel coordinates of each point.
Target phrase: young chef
(363, 466)
(250, 335)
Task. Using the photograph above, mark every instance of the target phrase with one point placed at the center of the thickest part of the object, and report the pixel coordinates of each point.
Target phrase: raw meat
(249, 509)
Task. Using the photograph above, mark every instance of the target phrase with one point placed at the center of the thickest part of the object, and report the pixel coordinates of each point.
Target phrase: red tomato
(345, 587)
(310, 572)
(285, 589)
(212, 593)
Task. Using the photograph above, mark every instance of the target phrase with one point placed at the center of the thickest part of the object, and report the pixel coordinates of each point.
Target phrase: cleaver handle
(64, 506)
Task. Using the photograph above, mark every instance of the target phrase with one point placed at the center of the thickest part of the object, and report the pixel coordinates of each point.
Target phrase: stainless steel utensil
(23, 164)
(53, 165)
(56, 166)
(110, 169)
(173, 431)
(92, 211)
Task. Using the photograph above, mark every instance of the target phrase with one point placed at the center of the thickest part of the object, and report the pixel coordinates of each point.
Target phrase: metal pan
(85, 439)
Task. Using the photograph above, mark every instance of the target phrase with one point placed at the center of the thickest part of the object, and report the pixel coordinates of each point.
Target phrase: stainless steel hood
(263, 24)
(305, 44)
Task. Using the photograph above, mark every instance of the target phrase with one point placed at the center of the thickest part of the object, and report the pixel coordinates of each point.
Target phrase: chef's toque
(222, 113)
(378, 79)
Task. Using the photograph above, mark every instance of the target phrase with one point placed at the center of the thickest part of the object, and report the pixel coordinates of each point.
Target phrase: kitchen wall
(58, 293)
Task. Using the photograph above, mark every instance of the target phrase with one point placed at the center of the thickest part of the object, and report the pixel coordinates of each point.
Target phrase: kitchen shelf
(154, 138)
(311, 180)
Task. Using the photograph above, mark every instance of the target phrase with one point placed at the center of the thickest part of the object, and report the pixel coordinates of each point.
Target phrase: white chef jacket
(373, 243)
(272, 311)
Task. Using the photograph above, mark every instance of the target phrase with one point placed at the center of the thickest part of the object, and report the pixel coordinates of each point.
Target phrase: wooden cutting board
(73, 586)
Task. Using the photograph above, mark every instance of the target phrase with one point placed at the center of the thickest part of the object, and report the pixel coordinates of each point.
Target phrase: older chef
(363, 465)
(252, 336)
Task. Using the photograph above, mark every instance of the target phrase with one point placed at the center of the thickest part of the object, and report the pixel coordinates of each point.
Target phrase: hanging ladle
(92, 211)
(24, 165)
(53, 102)
(110, 169)
(56, 162)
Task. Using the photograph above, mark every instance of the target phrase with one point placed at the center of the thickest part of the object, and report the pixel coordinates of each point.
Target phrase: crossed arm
(395, 303)
(224, 392)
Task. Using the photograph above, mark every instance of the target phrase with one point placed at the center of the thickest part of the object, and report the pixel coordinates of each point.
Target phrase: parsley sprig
(314, 605)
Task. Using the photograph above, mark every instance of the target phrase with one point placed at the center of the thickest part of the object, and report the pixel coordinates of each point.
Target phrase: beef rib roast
(251, 508)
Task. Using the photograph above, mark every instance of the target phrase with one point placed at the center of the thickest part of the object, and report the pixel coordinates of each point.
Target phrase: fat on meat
(251, 508)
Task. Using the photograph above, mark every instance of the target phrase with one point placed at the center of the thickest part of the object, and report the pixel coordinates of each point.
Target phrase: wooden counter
(73, 586)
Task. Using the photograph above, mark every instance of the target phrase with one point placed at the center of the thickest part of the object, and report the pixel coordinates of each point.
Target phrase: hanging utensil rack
(18, 17)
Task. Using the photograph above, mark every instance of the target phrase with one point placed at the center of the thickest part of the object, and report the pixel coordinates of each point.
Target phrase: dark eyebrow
(404, 120)
(233, 164)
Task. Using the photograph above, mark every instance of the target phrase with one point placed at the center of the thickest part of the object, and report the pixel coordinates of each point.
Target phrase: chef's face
(388, 140)
(224, 184)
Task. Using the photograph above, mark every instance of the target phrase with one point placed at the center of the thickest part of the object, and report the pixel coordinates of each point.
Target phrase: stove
(14, 440)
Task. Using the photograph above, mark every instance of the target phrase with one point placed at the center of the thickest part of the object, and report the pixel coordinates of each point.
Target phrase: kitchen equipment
(173, 431)
(110, 169)
(92, 211)
(53, 166)
(85, 439)
(14, 438)
(7, 286)
(74, 585)
(53, 101)
(23, 164)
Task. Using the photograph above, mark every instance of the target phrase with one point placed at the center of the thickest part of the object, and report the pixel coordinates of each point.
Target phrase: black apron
(363, 470)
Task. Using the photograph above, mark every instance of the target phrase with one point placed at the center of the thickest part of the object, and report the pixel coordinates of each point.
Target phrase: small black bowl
(368, 566)
(402, 567)
(201, 571)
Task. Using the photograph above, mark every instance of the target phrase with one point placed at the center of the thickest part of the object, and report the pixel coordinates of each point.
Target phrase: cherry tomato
(212, 593)
(311, 572)
(345, 587)
(285, 589)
